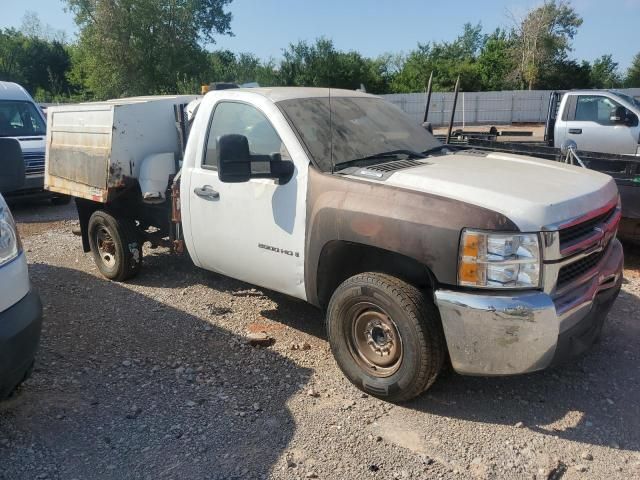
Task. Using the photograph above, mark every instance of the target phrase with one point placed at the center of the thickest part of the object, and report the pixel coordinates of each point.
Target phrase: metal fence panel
(481, 108)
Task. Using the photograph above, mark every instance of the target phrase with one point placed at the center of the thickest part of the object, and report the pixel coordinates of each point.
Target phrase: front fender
(418, 225)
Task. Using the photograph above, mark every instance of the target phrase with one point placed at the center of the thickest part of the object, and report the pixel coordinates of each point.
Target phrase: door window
(242, 119)
(594, 108)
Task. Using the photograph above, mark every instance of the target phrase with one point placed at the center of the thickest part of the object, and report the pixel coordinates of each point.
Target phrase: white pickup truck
(419, 253)
(597, 120)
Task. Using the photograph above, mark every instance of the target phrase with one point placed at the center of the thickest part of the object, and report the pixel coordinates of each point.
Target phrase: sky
(265, 27)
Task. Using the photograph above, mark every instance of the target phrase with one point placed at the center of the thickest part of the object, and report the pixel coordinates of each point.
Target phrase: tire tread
(425, 316)
(127, 233)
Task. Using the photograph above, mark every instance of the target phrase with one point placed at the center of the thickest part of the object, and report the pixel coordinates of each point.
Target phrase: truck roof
(13, 91)
(589, 91)
(278, 94)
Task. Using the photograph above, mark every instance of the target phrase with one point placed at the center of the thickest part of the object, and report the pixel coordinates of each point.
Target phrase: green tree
(222, 66)
(36, 64)
(542, 38)
(226, 66)
(632, 79)
(495, 63)
(565, 74)
(135, 47)
(321, 65)
(447, 60)
(604, 73)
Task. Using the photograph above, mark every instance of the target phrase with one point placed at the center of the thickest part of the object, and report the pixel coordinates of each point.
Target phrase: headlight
(499, 260)
(9, 242)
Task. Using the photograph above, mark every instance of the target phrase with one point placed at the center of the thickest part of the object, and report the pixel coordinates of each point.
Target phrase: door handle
(575, 131)
(206, 192)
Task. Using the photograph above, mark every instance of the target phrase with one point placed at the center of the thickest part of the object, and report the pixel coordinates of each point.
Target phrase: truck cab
(599, 121)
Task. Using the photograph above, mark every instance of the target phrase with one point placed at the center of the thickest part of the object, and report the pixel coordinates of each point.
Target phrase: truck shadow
(127, 386)
(295, 313)
(592, 400)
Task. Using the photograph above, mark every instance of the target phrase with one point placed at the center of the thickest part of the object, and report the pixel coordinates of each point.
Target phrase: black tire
(61, 200)
(116, 246)
(396, 316)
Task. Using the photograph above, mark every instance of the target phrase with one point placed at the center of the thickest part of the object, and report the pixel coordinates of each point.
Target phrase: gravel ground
(153, 379)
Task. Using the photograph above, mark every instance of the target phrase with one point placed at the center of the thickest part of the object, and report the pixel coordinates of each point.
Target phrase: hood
(531, 192)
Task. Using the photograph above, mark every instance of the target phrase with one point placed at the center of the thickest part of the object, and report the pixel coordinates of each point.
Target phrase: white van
(20, 307)
(22, 119)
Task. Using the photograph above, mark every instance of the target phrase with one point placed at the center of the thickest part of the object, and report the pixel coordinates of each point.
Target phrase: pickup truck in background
(22, 119)
(597, 120)
(420, 253)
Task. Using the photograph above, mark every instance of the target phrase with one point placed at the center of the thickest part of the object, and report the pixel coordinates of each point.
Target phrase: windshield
(633, 101)
(20, 119)
(362, 127)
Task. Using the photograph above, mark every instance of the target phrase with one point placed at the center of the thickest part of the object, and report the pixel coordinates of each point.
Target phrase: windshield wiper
(396, 154)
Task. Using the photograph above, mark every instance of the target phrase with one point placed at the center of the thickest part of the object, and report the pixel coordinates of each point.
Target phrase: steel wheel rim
(106, 247)
(374, 340)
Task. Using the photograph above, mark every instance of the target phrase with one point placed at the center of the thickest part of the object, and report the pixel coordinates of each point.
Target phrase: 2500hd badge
(279, 250)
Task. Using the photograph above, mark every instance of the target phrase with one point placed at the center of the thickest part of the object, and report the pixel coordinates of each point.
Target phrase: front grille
(574, 270)
(33, 163)
(395, 165)
(571, 234)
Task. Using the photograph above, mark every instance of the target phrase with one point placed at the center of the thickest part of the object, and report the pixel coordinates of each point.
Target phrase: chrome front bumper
(500, 334)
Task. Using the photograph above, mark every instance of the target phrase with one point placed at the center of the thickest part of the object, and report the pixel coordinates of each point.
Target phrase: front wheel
(386, 336)
(116, 246)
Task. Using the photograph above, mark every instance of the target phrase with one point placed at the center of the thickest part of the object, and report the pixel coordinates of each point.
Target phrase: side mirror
(11, 165)
(618, 115)
(234, 159)
(632, 119)
(237, 165)
(568, 146)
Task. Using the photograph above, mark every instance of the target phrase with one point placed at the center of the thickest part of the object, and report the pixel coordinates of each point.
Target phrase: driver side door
(252, 231)
(593, 131)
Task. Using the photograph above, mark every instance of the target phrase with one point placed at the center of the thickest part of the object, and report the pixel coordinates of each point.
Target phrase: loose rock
(259, 339)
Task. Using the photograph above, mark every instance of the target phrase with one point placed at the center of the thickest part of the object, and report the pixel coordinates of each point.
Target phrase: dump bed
(94, 149)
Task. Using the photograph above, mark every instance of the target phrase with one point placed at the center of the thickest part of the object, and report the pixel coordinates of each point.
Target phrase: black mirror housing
(236, 164)
(282, 170)
(618, 114)
(11, 165)
(234, 159)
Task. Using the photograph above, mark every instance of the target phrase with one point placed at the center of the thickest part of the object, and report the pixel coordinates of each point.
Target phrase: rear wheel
(116, 246)
(386, 336)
